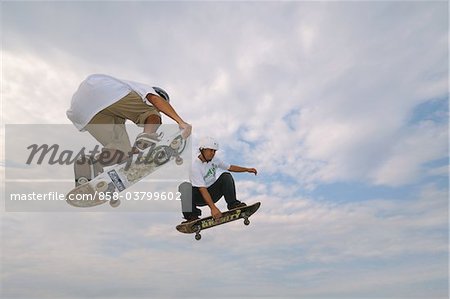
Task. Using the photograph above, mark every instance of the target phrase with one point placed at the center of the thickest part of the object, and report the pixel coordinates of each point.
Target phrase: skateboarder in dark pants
(205, 188)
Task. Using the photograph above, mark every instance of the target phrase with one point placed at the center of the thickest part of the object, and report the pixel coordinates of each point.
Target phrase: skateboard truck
(197, 232)
(175, 145)
(246, 221)
(197, 228)
(104, 187)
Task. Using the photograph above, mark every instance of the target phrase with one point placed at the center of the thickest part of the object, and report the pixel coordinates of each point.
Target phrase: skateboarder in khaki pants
(205, 188)
(102, 104)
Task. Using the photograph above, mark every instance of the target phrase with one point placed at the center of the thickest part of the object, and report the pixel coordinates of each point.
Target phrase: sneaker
(237, 204)
(190, 217)
(145, 140)
(86, 169)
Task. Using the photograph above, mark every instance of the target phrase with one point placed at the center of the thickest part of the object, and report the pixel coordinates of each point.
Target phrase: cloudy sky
(341, 106)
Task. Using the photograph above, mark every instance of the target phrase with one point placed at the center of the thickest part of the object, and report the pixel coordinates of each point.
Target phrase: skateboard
(116, 178)
(196, 226)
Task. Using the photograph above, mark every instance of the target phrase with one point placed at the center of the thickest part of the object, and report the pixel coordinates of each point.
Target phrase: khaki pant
(108, 126)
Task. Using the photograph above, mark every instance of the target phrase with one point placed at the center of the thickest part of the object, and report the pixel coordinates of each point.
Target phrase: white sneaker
(144, 140)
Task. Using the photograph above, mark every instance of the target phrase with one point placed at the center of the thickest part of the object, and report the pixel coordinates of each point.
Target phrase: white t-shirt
(205, 174)
(97, 92)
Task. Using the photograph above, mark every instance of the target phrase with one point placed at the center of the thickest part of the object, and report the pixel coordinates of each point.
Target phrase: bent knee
(226, 176)
(185, 187)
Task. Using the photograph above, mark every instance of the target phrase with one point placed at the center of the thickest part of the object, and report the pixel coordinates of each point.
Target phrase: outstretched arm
(235, 168)
(168, 110)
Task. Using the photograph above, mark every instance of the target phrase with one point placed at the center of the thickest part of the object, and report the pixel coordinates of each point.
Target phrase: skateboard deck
(119, 177)
(197, 226)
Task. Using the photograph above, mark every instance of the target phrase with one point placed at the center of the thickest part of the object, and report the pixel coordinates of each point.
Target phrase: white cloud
(351, 109)
(352, 102)
(424, 143)
(439, 171)
(307, 92)
(292, 243)
(35, 90)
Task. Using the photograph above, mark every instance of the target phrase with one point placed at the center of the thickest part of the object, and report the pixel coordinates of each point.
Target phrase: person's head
(208, 147)
(162, 93)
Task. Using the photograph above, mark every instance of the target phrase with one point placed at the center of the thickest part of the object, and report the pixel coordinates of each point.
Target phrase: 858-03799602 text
(41, 159)
(129, 196)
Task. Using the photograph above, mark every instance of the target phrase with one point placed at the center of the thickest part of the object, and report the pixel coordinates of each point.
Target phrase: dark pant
(191, 198)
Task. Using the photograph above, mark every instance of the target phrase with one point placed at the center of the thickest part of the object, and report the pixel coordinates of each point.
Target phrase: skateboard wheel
(114, 203)
(82, 180)
(161, 155)
(246, 222)
(179, 160)
(101, 186)
(175, 144)
(198, 237)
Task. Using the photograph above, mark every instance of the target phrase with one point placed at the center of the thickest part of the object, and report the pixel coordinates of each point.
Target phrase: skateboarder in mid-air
(102, 104)
(205, 187)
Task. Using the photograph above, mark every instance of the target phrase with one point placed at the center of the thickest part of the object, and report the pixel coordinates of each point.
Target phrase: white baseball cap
(208, 142)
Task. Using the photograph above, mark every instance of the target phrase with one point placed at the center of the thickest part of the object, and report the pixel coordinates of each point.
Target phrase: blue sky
(341, 106)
